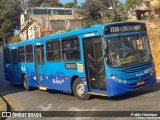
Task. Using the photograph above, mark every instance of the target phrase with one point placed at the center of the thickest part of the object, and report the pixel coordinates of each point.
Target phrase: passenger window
(29, 53)
(70, 49)
(14, 56)
(53, 51)
(7, 54)
(21, 54)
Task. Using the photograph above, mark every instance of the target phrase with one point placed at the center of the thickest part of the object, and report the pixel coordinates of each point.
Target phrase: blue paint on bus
(99, 73)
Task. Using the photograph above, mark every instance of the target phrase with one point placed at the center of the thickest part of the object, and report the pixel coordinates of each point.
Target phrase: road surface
(37, 100)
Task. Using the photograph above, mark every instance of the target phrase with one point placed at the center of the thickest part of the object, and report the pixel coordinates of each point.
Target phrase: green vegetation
(121, 7)
(96, 12)
(69, 5)
(9, 19)
(15, 39)
(50, 3)
(151, 17)
(131, 4)
(10, 11)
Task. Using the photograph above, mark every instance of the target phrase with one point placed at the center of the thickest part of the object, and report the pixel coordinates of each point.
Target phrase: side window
(53, 51)
(70, 49)
(14, 54)
(7, 54)
(29, 53)
(21, 54)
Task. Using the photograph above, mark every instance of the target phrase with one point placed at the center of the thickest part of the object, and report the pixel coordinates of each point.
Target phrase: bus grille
(136, 78)
(137, 68)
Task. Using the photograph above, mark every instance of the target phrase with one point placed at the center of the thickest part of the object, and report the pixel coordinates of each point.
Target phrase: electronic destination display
(124, 27)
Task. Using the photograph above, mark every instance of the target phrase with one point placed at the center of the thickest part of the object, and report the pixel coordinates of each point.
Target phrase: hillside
(154, 40)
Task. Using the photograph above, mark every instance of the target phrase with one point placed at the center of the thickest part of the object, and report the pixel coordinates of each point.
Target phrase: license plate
(140, 83)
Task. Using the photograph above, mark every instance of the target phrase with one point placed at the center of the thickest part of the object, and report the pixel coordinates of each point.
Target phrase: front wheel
(79, 90)
(26, 83)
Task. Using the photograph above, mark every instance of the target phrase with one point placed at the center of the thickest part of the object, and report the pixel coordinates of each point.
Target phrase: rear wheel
(26, 83)
(79, 90)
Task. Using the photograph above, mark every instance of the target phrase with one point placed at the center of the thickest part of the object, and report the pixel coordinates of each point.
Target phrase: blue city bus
(107, 60)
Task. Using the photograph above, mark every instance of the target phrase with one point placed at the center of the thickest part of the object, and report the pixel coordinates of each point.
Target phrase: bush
(151, 17)
(15, 39)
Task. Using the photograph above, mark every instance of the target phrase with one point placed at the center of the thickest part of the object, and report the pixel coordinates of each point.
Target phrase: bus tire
(79, 90)
(26, 83)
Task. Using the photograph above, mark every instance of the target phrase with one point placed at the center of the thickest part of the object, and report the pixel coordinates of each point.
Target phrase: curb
(3, 105)
(158, 79)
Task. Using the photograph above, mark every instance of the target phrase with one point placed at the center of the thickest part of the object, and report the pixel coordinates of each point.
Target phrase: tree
(131, 4)
(121, 7)
(115, 13)
(122, 10)
(51, 3)
(75, 1)
(95, 11)
(15, 39)
(91, 11)
(25, 7)
(35, 3)
(105, 4)
(9, 19)
(69, 5)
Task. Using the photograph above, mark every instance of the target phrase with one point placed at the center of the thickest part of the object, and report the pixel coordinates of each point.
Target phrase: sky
(79, 1)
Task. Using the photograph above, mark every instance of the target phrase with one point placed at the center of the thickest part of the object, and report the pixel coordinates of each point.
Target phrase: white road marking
(45, 107)
(158, 79)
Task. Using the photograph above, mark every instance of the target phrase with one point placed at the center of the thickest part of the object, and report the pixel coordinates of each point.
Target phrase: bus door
(14, 64)
(94, 64)
(39, 64)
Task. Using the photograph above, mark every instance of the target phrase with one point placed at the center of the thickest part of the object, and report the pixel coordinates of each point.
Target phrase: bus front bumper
(116, 88)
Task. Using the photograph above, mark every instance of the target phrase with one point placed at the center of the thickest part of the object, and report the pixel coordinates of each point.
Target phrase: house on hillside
(140, 11)
(42, 20)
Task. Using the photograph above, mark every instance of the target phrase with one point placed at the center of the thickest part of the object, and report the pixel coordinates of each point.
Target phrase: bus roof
(92, 28)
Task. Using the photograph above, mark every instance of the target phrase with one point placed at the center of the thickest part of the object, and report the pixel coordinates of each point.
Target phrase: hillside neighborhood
(41, 21)
(52, 50)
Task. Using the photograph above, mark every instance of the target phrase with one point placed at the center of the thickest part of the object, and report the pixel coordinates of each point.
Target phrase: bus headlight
(113, 77)
(121, 81)
(125, 81)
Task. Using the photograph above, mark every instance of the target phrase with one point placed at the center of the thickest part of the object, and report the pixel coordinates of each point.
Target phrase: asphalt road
(37, 100)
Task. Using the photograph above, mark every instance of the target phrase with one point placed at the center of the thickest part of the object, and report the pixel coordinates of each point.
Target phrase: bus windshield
(124, 51)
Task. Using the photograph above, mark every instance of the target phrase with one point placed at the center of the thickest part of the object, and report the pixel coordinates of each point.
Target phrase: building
(140, 11)
(38, 23)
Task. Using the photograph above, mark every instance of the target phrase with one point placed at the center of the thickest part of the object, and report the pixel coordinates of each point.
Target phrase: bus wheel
(79, 90)
(25, 83)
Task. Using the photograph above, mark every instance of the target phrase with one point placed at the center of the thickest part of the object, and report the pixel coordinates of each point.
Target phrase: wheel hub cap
(80, 89)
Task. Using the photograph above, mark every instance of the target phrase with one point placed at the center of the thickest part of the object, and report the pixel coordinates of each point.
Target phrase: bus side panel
(21, 70)
(8, 72)
(59, 77)
(15, 75)
(30, 71)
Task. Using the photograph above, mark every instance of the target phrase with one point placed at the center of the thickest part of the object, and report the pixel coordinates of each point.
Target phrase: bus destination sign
(121, 28)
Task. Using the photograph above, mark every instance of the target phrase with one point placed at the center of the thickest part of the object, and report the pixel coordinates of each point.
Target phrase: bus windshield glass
(128, 50)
